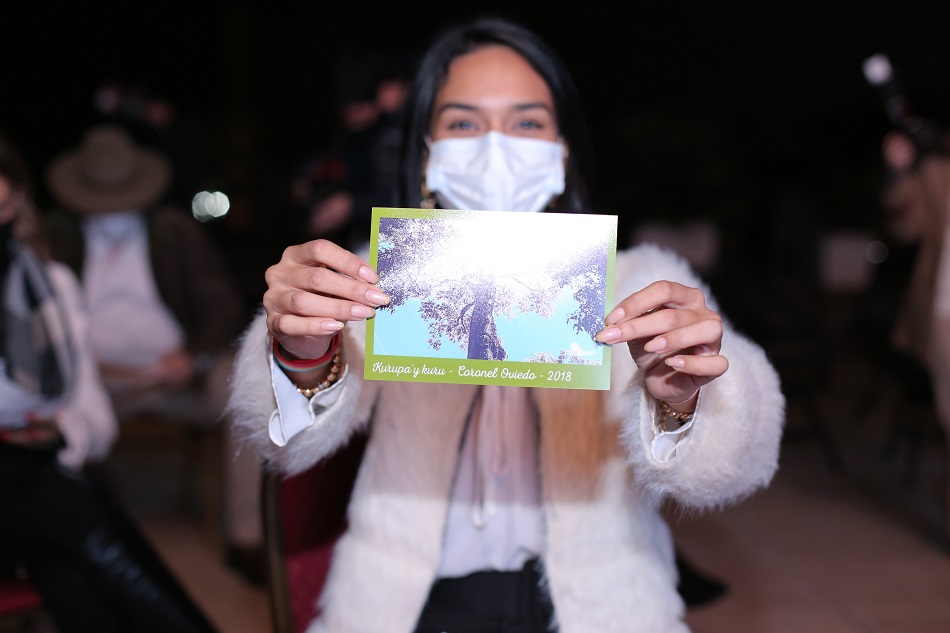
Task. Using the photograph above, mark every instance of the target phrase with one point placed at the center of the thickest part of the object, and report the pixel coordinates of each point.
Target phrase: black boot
(131, 573)
(92, 566)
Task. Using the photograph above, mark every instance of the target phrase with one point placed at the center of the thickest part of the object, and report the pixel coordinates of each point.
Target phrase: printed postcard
(491, 297)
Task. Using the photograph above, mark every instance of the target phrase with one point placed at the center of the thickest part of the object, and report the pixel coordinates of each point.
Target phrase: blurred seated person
(337, 189)
(917, 202)
(164, 308)
(91, 566)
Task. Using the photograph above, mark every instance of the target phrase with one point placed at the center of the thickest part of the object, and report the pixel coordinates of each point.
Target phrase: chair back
(304, 515)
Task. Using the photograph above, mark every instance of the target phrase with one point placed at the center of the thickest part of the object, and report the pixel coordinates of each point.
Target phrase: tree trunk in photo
(483, 341)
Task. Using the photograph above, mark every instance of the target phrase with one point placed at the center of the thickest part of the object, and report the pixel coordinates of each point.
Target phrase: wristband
(298, 366)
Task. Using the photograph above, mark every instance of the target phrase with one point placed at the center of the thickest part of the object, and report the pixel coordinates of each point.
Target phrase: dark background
(778, 87)
(725, 112)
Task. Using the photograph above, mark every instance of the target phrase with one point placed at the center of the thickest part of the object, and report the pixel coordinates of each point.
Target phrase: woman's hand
(314, 289)
(674, 338)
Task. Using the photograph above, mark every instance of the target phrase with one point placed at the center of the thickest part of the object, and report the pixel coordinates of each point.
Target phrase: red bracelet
(307, 365)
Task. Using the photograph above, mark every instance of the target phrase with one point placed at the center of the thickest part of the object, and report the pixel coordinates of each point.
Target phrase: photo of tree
(494, 286)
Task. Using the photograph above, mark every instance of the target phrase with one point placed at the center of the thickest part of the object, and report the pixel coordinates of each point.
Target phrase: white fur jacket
(609, 565)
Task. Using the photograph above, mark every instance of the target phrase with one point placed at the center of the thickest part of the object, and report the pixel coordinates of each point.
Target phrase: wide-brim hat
(108, 172)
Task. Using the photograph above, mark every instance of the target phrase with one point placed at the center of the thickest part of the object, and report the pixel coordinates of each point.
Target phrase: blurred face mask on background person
(495, 172)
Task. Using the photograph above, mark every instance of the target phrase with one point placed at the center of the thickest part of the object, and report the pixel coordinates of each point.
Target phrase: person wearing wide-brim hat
(109, 173)
(175, 300)
(164, 307)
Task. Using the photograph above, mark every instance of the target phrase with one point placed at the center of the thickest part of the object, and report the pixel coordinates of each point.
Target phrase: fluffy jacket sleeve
(86, 420)
(253, 405)
(732, 447)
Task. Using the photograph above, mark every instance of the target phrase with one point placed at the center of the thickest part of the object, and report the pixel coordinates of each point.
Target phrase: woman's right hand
(314, 289)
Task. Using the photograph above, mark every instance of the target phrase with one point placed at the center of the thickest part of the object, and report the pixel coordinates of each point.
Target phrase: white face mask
(495, 172)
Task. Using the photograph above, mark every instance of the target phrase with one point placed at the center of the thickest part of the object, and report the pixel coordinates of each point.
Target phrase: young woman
(92, 567)
(503, 508)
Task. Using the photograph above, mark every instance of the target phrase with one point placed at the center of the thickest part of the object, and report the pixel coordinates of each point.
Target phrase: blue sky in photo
(405, 333)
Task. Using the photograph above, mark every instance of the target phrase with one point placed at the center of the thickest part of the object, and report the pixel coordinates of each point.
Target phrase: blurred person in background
(93, 569)
(916, 200)
(164, 307)
(567, 535)
(337, 189)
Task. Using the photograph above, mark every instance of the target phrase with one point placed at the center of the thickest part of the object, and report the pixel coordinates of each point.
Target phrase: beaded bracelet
(298, 366)
(332, 377)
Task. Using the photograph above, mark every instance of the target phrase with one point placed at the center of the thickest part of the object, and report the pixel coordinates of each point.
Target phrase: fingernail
(609, 335)
(377, 297)
(332, 326)
(368, 274)
(615, 315)
(656, 345)
(360, 311)
(676, 362)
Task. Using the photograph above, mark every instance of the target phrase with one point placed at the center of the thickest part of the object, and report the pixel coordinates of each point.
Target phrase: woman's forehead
(492, 75)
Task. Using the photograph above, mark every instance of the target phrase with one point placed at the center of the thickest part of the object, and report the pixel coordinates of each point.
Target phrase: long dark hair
(430, 76)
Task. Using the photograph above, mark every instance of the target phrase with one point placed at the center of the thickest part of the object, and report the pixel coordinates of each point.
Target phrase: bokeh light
(876, 252)
(207, 205)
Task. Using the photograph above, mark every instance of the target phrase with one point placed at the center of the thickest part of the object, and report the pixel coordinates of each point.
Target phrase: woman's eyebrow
(454, 104)
(531, 106)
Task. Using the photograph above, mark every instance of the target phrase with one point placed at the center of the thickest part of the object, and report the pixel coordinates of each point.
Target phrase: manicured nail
(367, 274)
(609, 335)
(656, 345)
(615, 315)
(332, 326)
(360, 311)
(377, 297)
(676, 362)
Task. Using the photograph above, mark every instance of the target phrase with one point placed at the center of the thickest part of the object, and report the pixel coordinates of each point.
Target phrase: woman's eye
(529, 125)
(462, 126)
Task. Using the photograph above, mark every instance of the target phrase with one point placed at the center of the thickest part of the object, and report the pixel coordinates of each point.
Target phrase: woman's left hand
(674, 338)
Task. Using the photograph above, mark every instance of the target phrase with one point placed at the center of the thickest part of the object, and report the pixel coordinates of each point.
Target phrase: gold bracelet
(665, 412)
(670, 412)
(336, 365)
(691, 396)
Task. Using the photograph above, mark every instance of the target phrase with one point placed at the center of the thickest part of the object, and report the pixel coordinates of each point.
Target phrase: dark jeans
(488, 602)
